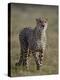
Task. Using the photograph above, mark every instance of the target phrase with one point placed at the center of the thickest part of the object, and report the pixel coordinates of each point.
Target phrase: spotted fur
(33, 41)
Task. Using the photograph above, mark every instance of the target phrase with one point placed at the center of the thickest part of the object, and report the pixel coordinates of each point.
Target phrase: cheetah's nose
(42, 25)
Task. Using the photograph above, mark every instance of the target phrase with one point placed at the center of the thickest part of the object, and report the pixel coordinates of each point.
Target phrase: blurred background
(24, 15)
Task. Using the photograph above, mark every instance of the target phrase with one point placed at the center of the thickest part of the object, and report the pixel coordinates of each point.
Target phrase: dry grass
(24, 16)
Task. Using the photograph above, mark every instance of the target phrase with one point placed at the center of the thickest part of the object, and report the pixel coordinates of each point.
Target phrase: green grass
(24, 16)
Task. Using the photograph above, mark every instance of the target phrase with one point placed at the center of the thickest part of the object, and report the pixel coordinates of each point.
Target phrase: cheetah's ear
(36, 19)
(46, 19)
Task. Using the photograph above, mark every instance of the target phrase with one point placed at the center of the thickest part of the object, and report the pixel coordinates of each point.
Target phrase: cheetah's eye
(45, 21)
(40, 21)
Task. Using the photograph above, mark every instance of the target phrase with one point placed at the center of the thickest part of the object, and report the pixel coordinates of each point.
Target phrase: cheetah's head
(42, 23)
